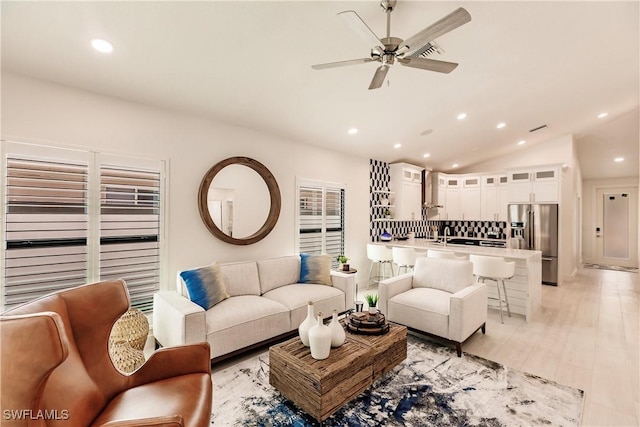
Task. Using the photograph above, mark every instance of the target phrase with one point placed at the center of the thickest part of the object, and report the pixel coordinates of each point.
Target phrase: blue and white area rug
(432, 387)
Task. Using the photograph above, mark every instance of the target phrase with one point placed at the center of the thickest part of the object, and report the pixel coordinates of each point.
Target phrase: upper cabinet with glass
(540, 185)
(239, 200)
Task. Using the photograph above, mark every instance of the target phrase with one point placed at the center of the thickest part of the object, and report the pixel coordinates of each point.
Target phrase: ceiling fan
(391, 49)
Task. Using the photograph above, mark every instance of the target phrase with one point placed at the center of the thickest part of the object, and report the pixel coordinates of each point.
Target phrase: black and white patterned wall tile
(379, 179)
(478, 229)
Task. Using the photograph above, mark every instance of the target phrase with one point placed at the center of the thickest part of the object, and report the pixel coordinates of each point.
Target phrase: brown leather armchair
(56, 369)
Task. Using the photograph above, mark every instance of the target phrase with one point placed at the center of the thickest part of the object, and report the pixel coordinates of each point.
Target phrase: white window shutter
(130, 231)
(73, 217)
(321, 219)
(46, 225)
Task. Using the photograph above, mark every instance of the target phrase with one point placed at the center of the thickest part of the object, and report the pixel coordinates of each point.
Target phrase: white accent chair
(495, 269)
(404, 258)
(381, 256)
(439, 298)
(432, 253)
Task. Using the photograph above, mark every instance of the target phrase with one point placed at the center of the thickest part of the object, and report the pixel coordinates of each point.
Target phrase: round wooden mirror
(233, 206)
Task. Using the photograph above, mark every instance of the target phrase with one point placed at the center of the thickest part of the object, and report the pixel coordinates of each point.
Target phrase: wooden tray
(378, 330)
(363, 319)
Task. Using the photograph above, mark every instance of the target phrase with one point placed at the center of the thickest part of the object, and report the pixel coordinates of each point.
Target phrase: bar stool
(495, 269)
(404, 258)
(382, 256)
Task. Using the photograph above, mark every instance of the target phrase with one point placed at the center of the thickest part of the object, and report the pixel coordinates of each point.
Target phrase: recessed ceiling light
(501, 125)
(462, 116)
(619, 159)
(522, 142)
(425, 155)
(398, 145)
(353, 131)
(101, 45)
(455, 165)
(602, 115)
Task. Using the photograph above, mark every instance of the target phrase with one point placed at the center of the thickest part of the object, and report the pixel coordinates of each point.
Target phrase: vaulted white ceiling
(249, 63)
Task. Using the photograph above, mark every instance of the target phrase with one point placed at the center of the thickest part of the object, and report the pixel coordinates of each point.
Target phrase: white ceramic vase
(337, 332)
(303, 329)
(320, 339)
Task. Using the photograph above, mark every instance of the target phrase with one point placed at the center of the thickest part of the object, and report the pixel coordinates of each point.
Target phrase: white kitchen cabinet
(540, 185)
(406, 183)
(438, 194)
(452, 198)
(459, 196)
(409, 205)
(494, 198)
(470, 198)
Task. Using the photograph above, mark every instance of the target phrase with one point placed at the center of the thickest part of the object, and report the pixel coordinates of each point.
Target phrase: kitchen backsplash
(379, 180)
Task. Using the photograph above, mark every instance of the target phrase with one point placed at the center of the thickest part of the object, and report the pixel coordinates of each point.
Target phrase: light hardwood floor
(586, 335)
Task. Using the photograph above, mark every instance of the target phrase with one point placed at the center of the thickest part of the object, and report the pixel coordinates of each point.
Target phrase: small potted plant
(387, 213)
(372, 301)
(343, 261)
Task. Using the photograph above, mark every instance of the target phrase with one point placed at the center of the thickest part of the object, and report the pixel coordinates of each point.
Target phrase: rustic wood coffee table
(321, 387)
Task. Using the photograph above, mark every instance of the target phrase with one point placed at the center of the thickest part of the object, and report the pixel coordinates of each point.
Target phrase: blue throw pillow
(205, 285)
(315, 269)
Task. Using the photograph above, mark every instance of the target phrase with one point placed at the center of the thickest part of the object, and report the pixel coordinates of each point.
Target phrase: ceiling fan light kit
(411, 52)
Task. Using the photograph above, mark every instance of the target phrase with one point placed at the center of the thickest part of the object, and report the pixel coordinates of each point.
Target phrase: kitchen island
(524, 289)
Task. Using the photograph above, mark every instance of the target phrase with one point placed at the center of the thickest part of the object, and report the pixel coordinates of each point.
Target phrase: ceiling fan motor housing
(391, 44)
(388, 59)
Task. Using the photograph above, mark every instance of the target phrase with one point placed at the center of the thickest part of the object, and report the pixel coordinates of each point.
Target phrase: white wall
(42, 112)
(560, 151)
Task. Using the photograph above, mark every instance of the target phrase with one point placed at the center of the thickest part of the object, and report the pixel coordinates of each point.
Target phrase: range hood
(427, 190)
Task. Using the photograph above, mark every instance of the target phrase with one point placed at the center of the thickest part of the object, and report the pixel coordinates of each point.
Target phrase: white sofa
(438, 298)
(266, 303)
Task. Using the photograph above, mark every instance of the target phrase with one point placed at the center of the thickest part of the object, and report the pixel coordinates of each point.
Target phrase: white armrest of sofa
(346, 282)
(177, 320)
(467, 310)
(391, 287)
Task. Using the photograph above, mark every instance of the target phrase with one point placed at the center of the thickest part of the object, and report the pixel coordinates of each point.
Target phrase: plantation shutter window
(334, 222)
(46, 228)
(321, 219)
(73, 217)
(311, 221)
(130, 231)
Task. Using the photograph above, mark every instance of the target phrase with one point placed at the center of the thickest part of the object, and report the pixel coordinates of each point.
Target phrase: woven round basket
(132, 327)
(125, 358)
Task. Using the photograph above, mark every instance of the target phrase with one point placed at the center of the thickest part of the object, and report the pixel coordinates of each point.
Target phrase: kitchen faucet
(446, 234)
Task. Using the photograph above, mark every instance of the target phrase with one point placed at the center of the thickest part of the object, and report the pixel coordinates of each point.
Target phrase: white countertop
(424, 244)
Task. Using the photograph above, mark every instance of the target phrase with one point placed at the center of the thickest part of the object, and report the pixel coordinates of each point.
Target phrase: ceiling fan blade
(357, 25)
(379, 76)
(429, 64)
(341, 63)
(450, 22)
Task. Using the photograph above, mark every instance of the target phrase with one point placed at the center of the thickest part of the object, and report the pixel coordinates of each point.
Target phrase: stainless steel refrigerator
(535, 227)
